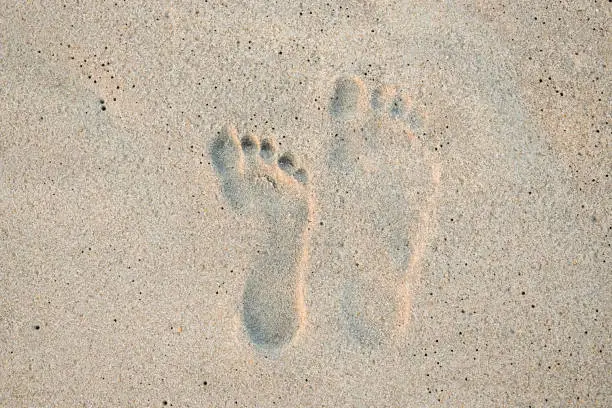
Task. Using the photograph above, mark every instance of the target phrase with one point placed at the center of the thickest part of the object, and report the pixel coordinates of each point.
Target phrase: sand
(354, 204)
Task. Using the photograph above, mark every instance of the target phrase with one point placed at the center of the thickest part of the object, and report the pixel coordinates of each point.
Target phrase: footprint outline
(259, 182)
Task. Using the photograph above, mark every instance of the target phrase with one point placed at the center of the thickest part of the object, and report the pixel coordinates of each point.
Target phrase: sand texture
(319, 204)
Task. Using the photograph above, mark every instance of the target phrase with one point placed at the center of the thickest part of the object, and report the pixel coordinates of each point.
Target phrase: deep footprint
(258, 183)
(391, 182)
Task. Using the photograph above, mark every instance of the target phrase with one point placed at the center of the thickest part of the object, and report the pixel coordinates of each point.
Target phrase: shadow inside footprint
(270, 315)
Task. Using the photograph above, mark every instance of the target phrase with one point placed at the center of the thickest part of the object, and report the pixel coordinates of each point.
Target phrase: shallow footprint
(270, 188)
(390, 183)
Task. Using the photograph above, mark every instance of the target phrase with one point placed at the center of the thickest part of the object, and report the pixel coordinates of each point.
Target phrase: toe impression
(268, 150)
(226, 153)
(250, 144)
(349, 98)
(286, 162)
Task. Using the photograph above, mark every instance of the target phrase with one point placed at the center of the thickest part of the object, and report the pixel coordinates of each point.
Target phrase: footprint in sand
(258, 183)
(387, 200)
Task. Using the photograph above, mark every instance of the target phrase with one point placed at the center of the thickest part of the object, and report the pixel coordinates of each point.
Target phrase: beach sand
(347, 204)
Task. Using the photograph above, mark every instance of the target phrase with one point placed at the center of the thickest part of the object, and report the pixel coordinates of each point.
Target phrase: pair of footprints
(389, 182)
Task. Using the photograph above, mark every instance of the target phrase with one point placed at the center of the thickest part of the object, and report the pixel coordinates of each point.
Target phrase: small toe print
(268, 150)
(249, 144)
(401, 106)
(382, 98)
(397, 107)
(301, 176)
(287, 162)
